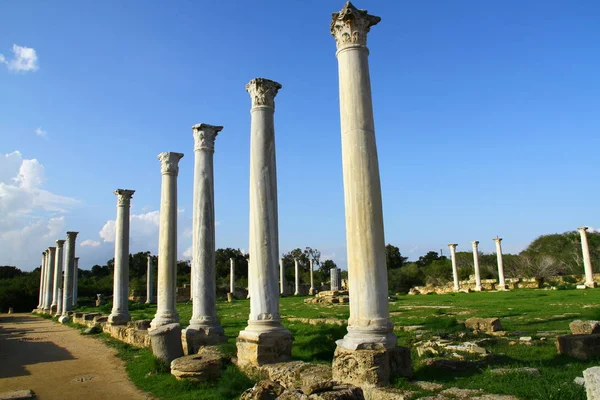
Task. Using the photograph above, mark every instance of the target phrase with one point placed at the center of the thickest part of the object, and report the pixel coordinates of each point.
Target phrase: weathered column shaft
(149, 282)
(67, 302)
(231, 275)
(501, 282)
(49, 278)
(166, 309)
(454, 267)
(75, 281)
(281, 277)
(120, 311)
(42, 281)
(587, 263)
(59, 303)
(476, 265)
(334, 281)
(58, 264)
(311, 291)
(297, 277)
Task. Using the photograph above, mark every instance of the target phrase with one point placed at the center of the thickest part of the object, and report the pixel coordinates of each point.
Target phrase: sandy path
(57, 362)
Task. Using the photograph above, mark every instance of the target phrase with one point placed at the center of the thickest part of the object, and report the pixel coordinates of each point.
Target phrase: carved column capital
(263, 91)
(453, 245)
(475, 243)
(169, 162)
(582, 229)
(124, 197)
(497, 239)
(71, 236)
(204, 136)
(60, 243)
(350, 26)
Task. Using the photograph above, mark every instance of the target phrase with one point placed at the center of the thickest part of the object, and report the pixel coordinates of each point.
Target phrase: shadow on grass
(315, 343)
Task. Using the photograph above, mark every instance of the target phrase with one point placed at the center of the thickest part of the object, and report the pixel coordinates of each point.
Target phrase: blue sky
(486, 118)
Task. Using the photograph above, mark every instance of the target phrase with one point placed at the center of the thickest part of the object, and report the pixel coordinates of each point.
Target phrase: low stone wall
(134, 333)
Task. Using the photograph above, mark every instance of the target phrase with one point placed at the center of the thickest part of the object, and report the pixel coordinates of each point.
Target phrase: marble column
(166, 308)
(454, 267)
(42, 281)
(120, 311)
(334, 279)
(49, 278)
(231, 276)
(369, 325)
(476, 266)
(587, 263)
(149, 282)
(281, 278)
(67, 288)
(58, 264)
(264, 340)
(59, 303)
(501, 283)
(311, 291)
(297, 277)
(75, 281)
(204, 328)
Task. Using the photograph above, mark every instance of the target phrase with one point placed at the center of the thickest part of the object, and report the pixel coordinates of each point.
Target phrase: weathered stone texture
(487, 325)
(264, 347)
(582, 347)
(579, 327)
(205, 366)
(592, 383)
(166, 342)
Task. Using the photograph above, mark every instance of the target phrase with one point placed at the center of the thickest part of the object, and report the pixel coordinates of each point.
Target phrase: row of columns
(501, 282)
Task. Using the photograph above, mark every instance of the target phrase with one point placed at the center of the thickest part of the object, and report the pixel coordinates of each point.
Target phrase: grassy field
(536, 313)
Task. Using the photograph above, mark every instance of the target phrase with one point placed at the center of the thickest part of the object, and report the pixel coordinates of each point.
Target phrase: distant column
(264, 340)
(49, 278)
(149, 281)
(476, 266)
(454, 267)
(67, 303)
(231, 276)
(58, 264)
(120, 311)
(166, 309)
(42, 281)
(587, 263)
(501, 283)
(75, 281)
(334, 281)
(297, 276)
(281, 277)
(311, 291)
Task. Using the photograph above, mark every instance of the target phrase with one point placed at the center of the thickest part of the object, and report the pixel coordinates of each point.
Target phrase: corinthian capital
(71, 236)
(582, 229)
(263, 91)
(60, 243)
(124, 197)
(169, 162)
(453, 245)
(204, 136)
(351, 25)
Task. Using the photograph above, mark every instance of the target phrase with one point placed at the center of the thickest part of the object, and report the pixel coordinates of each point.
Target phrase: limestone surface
(17, 395)
(592, 383)
(166, 342)
(257, 348)
(205, 366)
(582, 347)
(579, 327)
(487, 325)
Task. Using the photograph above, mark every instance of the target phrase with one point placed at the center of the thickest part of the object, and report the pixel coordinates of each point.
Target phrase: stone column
(281, 277)
(311, 291)
(476, 266)
(264, 340)
(59, 303)
(58, 264)
(333, 276)
(120, 311)
(166, 309)
(297, 277)
(42, 281)
(149, 282)
(75, 281)
(204, 328)
(587, 263)
(67, 288)
(369, 325)
(501, 284)
(231, 276)
(454, 267)
(248, 264)
(50, 260)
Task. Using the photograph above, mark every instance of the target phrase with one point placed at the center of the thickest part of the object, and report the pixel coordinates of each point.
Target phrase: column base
(478, 289)
(370, 367)
(311, 292)
(164, 319)
(591, 285)
(365, 338)
(118, 319)
(63, 319)
(196, 336)
(264, 347)
(502, 287)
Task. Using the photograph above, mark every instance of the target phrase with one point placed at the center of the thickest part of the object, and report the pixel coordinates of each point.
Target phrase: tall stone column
(75, 281)
(120, 311)
(42, 281)
(59, 303)
(501, 283)
(369, 325)
(248, 264)
(334, 279)
(264, 340)
(311, 291)
(476, 266)
(281, 278)
(149, 282)
(231, 276)
(204, 328)
(297, 277)
(50, 260)
(58, 264)
(67, 288)
(587, 263)
(166, 309)
(454, 267)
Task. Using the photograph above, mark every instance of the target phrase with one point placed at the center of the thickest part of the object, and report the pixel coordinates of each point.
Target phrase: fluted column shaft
(120, 311)
(231, 275)
(67, 303)
(587, 263)
(454, 267)
(476, 265)
(42, 281)
(59, 303)
(149, 282)
(58, 265)
(297, 277)
(166, 309)
(501, 282)
(75, 281)
(49, 278)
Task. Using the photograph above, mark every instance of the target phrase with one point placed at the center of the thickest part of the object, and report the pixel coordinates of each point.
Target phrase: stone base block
(257, 348)
(63, 319)
(592, 383)
(502, 287)
(582, 347)
(118, 319)
(207, 365)
(591, 285)
(195, 337)
(370, 368)
(166, 342)
(487, 325)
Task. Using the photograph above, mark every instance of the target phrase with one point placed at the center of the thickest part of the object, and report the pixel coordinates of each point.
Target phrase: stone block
(63, 319)
(17, 395)
(592, 383)
(523, 370)
(387, 394)
(205, 366)
(263, 390)
(582, 347)
(91, 316)
(487, 325)
(340, 392)
(579, 327)
(258, 348)
(370, 367)
(166, 342)
(194, 337)
(100, 319)
(140, 324)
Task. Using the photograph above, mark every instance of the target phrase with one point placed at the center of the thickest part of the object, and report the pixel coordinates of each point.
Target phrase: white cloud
(187, 254)
(24, 59)
(40, 132)
(90, 243)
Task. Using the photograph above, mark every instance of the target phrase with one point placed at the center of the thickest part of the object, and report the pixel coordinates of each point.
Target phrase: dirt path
(57, 362)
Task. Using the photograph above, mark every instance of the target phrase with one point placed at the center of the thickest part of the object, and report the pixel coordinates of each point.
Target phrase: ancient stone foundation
(193, 338)
(257, 348)
(331, 297)
(166, 342)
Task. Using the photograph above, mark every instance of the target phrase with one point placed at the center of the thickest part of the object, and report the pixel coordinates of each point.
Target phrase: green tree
(393, 258)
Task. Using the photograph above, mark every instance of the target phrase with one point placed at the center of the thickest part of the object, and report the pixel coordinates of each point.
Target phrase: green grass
(526, 312)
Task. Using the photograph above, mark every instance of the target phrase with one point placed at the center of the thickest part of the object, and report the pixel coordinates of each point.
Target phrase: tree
(393, 258)
(323, 274)
(222, 265)
(428, 258)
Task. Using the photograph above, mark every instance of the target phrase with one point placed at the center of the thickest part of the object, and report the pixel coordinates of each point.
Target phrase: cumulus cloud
(90, 243)
(24, 59)
(40, 132)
